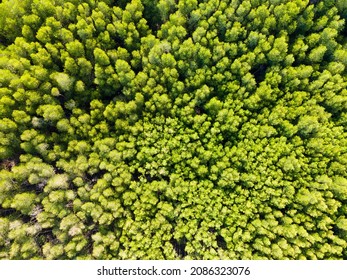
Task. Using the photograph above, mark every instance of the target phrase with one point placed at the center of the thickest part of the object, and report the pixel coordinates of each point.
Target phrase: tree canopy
(212, 129)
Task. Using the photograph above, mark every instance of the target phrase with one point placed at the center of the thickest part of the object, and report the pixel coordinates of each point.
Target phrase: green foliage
(173, 129)
(11, 18)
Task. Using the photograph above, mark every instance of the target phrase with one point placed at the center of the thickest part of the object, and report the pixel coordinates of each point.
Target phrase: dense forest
(173, 129)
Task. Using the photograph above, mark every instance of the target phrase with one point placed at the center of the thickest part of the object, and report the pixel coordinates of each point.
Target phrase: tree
(62, 80)
(51, 113)
(317, 54)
